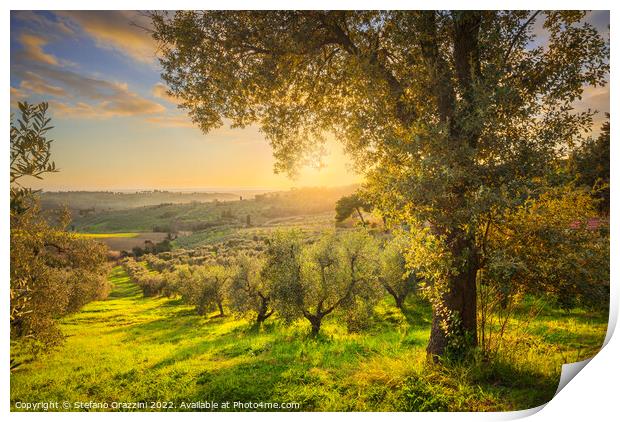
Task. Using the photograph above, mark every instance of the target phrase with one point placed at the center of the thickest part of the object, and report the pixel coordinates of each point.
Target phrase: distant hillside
(85, 202)
(195, 215)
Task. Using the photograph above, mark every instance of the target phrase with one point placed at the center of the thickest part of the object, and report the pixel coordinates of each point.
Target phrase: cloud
(126, 105)
(33, 49)
(123, 103)
(17, 95)
(37, 85)
(83, 96)
(160, 90)
(102, 110)
(119, 30)
(76, 84)
(595, 98)
(43, 25)
(79, 109)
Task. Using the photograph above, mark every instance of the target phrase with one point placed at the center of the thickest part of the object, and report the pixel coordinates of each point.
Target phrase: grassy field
(124, 241)
(134, 349)
(311, 225)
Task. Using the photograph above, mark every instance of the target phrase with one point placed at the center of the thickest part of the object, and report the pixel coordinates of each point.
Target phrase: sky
(115, 128)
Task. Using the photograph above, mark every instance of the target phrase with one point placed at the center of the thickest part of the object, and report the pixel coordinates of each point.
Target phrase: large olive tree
(452, 116)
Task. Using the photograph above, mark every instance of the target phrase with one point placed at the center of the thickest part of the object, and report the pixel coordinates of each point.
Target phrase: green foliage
(150, 248)
(151, 283)
(312, 281)
(347, 205)
(53, 272)
(282, 271)
(547, 246)
(395, 276)
(248, 292)
(30, 151)
(589, 165)
(206, 288)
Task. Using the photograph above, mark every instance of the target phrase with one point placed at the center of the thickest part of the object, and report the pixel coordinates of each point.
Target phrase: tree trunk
(398, 299)
(399, 302)
(263, 312)
(458, 301)
(262, 317)
(316, 327)
(359, 213)
(315, 322)
(221, 308)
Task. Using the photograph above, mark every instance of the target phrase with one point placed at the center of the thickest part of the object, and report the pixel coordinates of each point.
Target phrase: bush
(151, 283)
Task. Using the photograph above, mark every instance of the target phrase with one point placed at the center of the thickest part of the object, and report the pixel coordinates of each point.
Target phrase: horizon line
(196, 189)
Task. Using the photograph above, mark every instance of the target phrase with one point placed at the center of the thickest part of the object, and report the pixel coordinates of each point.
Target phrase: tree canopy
(453, 117)
(354, 203)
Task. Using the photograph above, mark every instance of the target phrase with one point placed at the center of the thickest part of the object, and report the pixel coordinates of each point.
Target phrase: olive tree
(451, 116)
(313, 281)
(398, 280)
(248, 292)
(347, 205)
(30, 151)
(52, 272)
(207, 288)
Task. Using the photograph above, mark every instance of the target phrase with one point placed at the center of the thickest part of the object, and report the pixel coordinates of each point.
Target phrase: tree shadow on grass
(417, 312)
(474, 386)
(524, 388)
(256, 381)
(238, 365)
(171, 328)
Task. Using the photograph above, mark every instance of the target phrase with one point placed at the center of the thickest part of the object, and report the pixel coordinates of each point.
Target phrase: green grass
(134, 349)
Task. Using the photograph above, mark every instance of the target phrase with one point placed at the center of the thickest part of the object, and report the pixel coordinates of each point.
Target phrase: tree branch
(517, 35)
